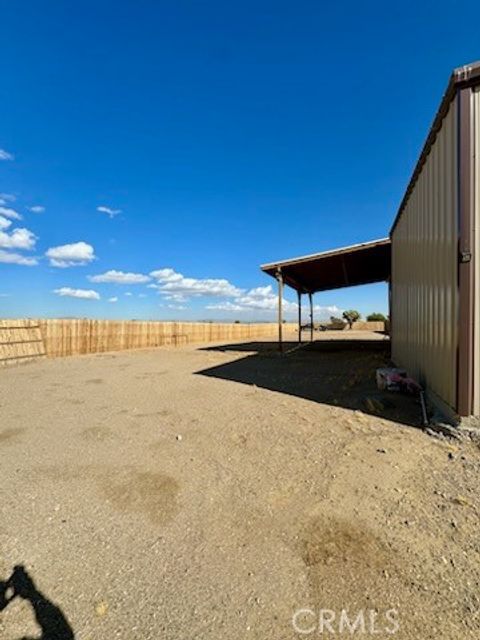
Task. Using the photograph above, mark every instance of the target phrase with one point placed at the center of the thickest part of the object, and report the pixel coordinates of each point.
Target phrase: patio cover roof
(346, 267)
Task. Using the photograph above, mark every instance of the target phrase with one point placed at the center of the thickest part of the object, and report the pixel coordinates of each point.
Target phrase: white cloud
(170, 282)
(128, 293)
(36, 209)
(5, 295)
(257, 299)
(71, 255)
(10, 213)
(265, 300)
(110, 212)
(7, 257)
(178, 307)
(6, 197)
(86, 294)
(17, 239)
(120, 277)
(114, 299)
(175, 297)
(142, 295)
(225, 306)
(5, 155)
(4, 223)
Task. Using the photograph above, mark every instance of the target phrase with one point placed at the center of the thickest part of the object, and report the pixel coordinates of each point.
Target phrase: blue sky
(220, 136)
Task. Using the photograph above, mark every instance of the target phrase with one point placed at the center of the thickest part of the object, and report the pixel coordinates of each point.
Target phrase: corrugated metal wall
(476, 360)
(424, 270)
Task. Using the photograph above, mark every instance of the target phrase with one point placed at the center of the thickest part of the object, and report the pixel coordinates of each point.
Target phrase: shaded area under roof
(346, 267)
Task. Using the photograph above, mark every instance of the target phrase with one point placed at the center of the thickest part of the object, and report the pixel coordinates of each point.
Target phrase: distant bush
(351, 316)
(376, 317)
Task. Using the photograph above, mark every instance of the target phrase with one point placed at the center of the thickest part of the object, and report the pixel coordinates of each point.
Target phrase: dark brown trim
(466, 244)
(462, 77)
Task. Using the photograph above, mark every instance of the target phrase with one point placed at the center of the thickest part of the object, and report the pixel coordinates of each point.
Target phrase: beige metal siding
(424, 271)
(476, 188)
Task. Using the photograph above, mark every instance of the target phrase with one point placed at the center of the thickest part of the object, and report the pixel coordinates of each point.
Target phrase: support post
(279, 277)
(299, 296)
(311, 316)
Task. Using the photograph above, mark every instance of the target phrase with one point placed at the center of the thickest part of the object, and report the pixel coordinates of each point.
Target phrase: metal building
(434, 244)
(435, 284)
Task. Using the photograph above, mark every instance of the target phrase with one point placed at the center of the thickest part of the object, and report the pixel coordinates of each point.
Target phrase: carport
(357, 264)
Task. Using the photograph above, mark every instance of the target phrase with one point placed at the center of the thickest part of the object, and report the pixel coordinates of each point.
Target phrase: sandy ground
(212, 493)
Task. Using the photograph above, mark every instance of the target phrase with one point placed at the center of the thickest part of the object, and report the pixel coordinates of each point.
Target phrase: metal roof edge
(324, 254)
(466, 75)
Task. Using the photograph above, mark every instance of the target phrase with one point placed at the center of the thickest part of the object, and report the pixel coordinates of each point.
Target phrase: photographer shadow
(50, 618)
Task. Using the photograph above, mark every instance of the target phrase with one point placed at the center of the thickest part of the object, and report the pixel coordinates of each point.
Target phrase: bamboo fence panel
(20, 341)
(23, 340)
(82, 336)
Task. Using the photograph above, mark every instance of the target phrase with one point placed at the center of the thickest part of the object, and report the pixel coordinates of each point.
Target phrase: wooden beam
(311, 316)
(299, 297)
(279, 277)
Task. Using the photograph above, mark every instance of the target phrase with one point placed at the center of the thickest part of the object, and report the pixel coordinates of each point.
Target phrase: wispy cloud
(120, 277)
(114, 299)
(86, 294)
(8, 257)
(17, 239)
(8, 212)
(7, 197)
(70, 255)
(109, 211)
(5, 155)
(36, 209)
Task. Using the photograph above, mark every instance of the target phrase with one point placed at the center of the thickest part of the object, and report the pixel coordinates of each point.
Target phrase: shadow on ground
(49, 617)
(337, 372)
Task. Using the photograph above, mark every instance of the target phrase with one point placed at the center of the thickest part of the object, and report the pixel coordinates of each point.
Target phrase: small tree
(376, 317)
(351, 316)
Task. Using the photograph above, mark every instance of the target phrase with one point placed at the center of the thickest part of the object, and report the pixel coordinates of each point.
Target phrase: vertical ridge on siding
(476, 182)
(424, 270)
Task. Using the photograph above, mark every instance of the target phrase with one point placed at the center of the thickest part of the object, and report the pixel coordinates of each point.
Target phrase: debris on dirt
(178, 437)
(101, 608)
(462, 501)
(377, 404)
(394, 379)
(443, 429)
(385, 378)
(373, 405)
(380, 450)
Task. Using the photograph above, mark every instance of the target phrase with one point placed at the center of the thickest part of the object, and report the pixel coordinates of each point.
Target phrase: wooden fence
(362, 325)
(76, 337)
(23, 340)
(20, 341)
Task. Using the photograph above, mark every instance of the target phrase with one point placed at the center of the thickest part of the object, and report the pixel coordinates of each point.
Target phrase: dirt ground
(215, 492)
